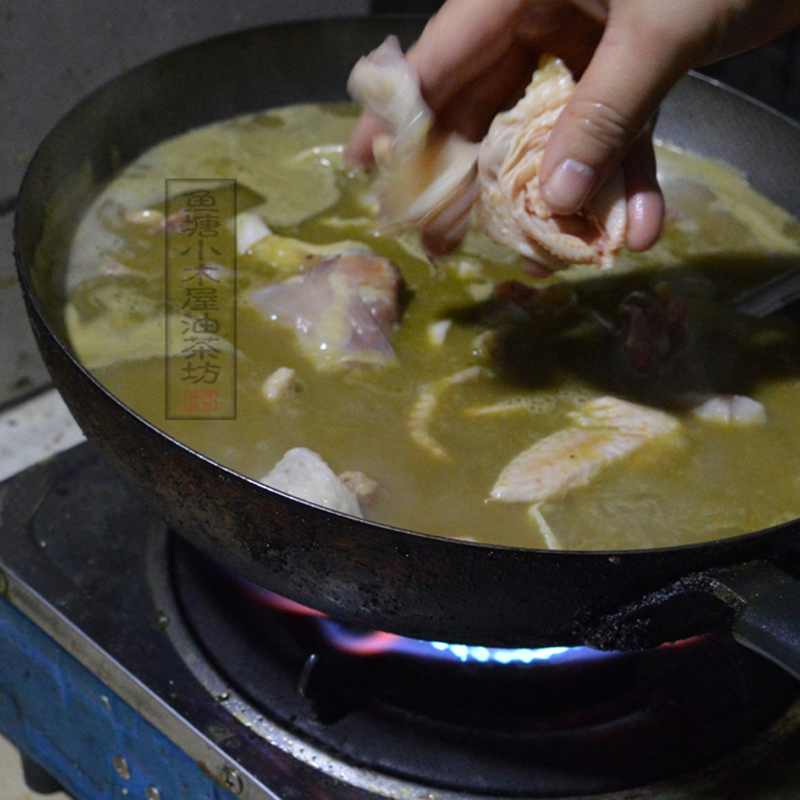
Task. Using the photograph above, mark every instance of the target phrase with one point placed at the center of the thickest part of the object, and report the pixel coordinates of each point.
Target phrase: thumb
(631, 71)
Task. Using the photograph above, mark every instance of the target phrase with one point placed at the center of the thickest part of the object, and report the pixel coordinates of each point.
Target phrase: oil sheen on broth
(488, 361)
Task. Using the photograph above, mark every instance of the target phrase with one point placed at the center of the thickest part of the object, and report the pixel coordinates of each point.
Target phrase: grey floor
(12, 785)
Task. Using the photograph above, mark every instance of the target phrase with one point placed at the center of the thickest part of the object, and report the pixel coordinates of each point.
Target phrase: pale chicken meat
(432, 180)
(604, 430)
(427, 404)
(343, 310)
(510, 207)
(427, 177)
(303, 473)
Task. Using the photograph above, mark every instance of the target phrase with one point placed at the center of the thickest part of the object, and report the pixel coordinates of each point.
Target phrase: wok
(358, 571)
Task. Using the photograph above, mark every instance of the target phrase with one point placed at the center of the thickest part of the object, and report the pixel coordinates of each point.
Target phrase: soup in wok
(235, 287)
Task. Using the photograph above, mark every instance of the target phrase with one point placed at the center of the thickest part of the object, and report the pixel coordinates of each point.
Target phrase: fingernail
(568, 186)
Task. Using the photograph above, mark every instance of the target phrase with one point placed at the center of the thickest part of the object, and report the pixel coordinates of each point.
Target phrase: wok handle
(759, 602)
(766, 605)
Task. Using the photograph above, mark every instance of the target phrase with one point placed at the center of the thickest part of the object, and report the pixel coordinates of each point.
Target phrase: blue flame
(376, 642)
(465, 653)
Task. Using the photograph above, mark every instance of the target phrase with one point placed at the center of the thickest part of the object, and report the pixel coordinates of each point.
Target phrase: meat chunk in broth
(303, 473)
(343, 310)
(605, 430)
(733, 410)
(281, 383)
(511, 209)
(654, 327)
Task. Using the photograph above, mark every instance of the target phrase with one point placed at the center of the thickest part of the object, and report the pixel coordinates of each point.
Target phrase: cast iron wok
(357, 571)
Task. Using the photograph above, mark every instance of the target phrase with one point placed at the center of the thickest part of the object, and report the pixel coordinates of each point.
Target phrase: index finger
(456, 46)
(463, 40)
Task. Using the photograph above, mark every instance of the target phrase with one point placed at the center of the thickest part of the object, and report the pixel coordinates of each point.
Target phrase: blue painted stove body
(90, 740)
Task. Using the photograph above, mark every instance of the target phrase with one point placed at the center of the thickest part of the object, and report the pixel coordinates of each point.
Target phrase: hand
(475, 58)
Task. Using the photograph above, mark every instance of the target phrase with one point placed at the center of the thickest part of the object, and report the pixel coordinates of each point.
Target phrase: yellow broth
(723, 238)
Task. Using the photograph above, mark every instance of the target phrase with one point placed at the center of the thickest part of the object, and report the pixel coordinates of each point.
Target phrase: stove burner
(502, 723)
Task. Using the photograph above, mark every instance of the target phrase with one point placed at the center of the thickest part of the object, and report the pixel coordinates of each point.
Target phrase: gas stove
(134, 667)
(118, 674)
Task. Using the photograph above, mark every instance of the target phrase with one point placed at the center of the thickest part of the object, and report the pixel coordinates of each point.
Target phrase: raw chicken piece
(343, 310)
(304, 474)
(427, 178)
(605, 430)
(510, 207)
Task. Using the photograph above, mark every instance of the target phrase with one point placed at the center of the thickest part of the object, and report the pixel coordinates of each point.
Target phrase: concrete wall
(53, 52)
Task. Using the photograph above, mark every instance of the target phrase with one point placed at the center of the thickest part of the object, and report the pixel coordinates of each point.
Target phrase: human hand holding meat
(475, 58)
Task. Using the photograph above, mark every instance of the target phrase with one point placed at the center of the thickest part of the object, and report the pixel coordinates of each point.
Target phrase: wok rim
(484, 594)
(23, 274)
